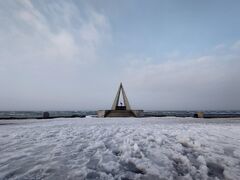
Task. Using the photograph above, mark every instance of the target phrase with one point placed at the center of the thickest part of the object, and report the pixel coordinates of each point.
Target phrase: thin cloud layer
(45, 50)
(206, 82)
(72, 55)
(35, 35)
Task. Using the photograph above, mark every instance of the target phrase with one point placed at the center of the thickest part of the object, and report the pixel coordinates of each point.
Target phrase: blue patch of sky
(158, 27)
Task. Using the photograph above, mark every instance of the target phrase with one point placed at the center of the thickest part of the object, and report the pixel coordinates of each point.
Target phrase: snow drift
(120, 148)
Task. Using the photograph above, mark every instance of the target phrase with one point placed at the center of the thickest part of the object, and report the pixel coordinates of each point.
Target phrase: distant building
(122, 110)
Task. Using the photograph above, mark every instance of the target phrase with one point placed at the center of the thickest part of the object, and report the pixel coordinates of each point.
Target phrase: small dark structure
(198, 115)
(46, 115)
(120, 111)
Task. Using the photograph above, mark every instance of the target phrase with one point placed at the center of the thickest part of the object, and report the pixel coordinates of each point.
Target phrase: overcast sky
(72, 55)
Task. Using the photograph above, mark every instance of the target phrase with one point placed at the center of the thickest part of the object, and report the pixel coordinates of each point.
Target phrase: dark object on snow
(198, 115)
(46, 115)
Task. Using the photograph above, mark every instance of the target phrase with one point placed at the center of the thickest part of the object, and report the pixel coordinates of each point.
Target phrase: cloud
(31, 34)
(210, 81)
(236, 45)
(53, 54)
(47, 49)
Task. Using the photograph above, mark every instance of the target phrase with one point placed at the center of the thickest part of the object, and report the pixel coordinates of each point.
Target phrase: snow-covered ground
(120, 148)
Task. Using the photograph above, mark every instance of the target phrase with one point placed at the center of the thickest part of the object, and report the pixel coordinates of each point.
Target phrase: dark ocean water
(39, 114)
(207, 114)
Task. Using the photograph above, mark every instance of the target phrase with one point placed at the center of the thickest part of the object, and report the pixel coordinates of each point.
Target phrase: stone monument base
(120, 113)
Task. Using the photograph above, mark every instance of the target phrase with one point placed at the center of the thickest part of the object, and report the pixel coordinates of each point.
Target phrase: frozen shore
(130, 148)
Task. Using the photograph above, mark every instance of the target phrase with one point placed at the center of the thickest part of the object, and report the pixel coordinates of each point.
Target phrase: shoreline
(145, 116)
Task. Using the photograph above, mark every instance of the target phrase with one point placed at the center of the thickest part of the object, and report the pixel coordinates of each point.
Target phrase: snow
(120, 148)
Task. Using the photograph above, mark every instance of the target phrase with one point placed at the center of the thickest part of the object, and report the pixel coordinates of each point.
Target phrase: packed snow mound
(120, 148)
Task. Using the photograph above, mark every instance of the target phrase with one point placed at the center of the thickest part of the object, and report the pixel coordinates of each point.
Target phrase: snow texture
(120, 148)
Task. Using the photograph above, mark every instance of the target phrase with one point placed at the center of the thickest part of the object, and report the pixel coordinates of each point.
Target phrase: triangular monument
(120, 110)
(115, 105)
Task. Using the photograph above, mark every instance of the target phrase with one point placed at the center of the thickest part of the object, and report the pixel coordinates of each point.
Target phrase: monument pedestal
(120, 113)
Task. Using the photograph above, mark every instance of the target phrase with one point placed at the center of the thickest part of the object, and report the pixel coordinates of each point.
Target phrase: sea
(39, 114)
(56, 114)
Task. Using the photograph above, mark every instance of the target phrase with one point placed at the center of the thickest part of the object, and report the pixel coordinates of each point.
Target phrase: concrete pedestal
(120, 113)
